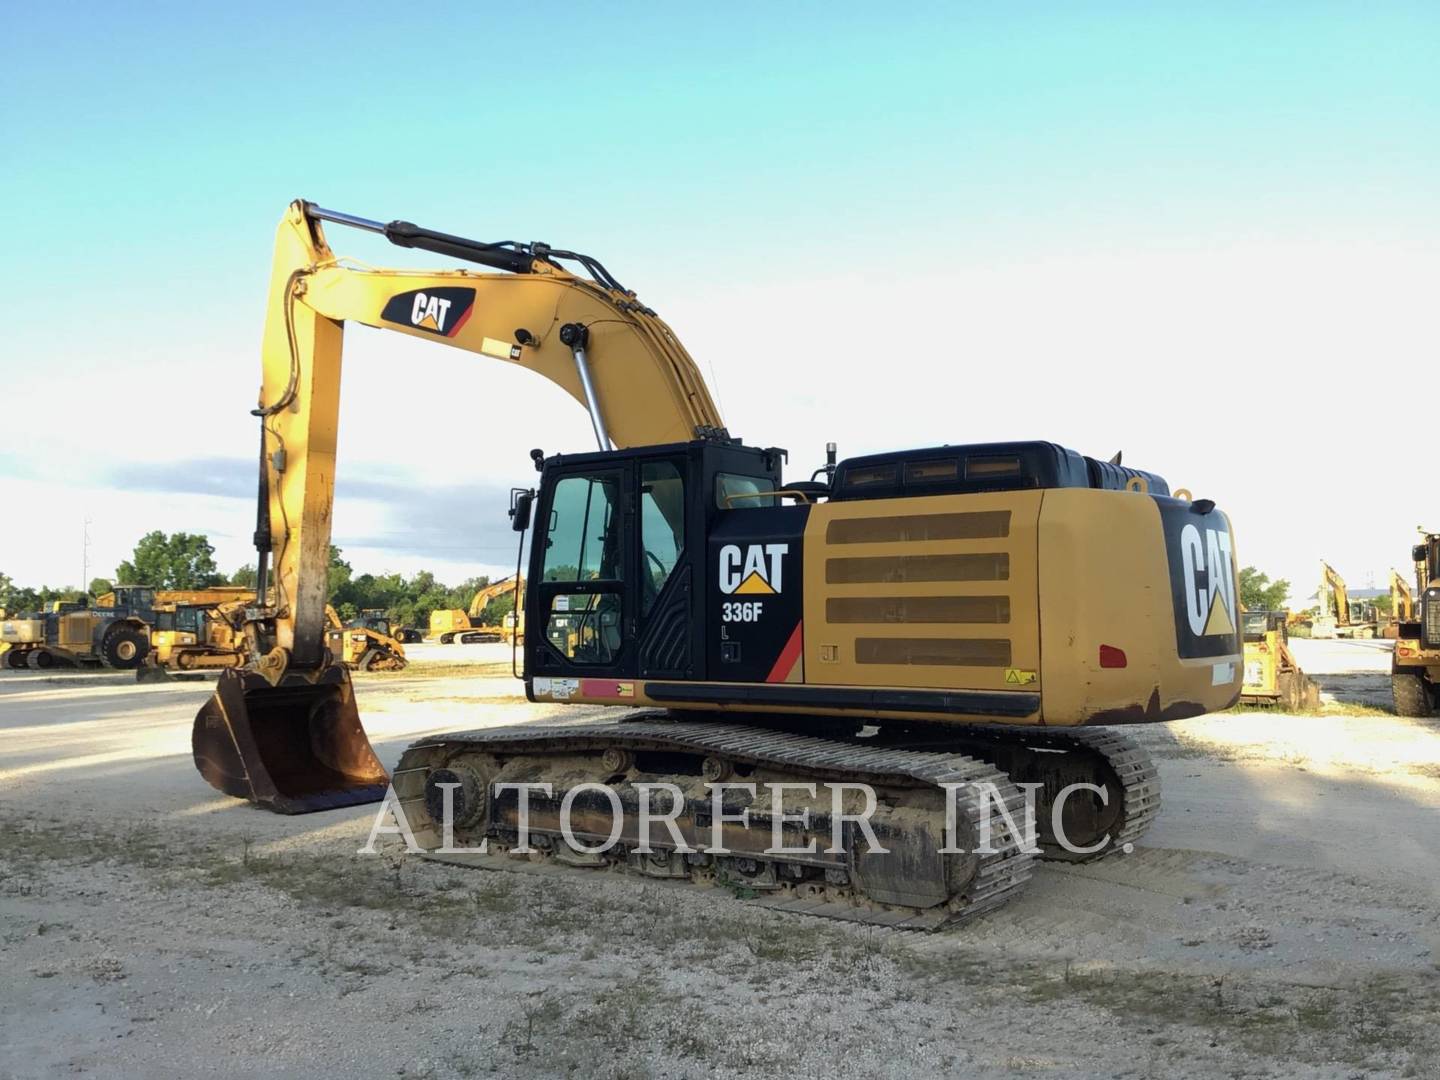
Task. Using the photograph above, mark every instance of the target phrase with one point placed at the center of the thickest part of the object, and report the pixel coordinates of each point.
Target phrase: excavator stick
(292, 748)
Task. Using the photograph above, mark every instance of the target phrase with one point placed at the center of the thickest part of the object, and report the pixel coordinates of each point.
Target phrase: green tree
(497, 609)
(100, 586)
(244, 577)
(179, 561)
(1259, 593)
(337, 579)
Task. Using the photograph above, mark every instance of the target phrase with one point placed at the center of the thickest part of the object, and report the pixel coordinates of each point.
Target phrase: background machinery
(1272, 675)
(1415, 668)
(190, 636)
(1402, 606)
(956, 615)
(364, 643)
(378, 619)
(77, 635)
(1339, 616)
(452, 625)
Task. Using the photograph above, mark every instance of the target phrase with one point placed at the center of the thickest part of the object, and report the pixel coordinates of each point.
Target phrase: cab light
(1111, 657)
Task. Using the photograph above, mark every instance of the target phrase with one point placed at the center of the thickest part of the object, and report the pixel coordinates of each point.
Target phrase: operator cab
(616, 572)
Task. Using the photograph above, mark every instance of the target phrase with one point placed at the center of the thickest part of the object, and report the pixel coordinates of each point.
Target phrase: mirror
(521, 500)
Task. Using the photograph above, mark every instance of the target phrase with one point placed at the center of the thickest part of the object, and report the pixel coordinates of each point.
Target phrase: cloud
(455, 522)
(225, 477)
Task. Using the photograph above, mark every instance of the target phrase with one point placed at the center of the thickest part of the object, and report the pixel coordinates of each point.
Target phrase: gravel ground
(1280, 919)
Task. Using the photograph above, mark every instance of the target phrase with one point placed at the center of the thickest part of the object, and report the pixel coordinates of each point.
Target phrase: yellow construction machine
(189, 636)
(451, 625)
(75, 634)
(363, 644)
(1415, 664)
(1272, 675)
(214, 594)
(195, 636)
(1339, 616)
(918, 622)
(1402, 606)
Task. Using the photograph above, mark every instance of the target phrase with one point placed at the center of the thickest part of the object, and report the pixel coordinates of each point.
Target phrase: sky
(1206, 235)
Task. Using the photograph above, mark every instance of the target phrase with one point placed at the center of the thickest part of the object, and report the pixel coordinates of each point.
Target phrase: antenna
(85, 558)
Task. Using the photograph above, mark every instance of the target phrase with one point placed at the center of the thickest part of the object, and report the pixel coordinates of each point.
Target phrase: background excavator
(940, 616)
(451, 625)
(1402, 605)
(1339, 616)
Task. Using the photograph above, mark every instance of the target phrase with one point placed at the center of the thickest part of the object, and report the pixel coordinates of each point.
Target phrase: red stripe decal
(788, 656)
(461, 321)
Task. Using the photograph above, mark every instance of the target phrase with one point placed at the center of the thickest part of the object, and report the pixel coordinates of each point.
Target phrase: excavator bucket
(292, 748)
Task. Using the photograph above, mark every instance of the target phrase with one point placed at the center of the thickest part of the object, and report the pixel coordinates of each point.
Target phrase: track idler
(292, 748)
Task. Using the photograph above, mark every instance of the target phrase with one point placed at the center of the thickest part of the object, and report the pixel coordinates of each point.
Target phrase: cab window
(736, 492)
(662, 526)
(582, 542)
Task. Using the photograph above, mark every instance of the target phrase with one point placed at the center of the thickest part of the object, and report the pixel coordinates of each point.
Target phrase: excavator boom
(586, 334)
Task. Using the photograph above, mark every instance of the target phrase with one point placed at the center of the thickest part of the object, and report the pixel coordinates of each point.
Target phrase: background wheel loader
(78, 635)
(1415, 667)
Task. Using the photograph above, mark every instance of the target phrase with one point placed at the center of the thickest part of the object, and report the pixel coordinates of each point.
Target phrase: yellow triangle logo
(1219, 620)
(428, 323)
(754, 584)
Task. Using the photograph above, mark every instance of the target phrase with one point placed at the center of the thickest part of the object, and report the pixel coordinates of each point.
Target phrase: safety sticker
(560, 689)
(1015, 676)
(500, 350)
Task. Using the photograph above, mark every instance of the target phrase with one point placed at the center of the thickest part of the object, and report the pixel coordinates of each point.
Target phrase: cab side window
(662, 527)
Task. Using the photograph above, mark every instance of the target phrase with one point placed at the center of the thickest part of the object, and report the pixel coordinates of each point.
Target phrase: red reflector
(1407, 652)
(1111, 656)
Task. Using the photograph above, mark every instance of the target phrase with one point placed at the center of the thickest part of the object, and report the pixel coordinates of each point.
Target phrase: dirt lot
(1279, 920)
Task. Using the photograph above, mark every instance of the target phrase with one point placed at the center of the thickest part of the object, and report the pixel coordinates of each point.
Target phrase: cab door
(614, 577)
(584, 617)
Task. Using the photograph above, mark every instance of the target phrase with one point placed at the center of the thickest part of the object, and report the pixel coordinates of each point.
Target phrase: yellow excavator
(917, 621)
(1339, 616)
(451, 625)
(1402, 606)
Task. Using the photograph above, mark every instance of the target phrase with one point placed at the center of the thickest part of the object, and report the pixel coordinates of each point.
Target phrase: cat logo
(755, 571)
(1209, 603)
(440, 311)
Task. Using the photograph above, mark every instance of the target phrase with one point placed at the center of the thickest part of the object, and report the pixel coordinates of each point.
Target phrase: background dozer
(953, 615)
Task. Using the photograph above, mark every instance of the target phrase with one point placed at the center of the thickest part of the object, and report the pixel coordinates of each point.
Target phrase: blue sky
(1097, 213)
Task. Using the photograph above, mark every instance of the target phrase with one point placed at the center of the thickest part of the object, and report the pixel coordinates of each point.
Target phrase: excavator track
(1057, 757)
(914, 886)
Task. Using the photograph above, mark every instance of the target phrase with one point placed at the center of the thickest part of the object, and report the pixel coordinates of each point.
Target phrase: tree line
(187, 561)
